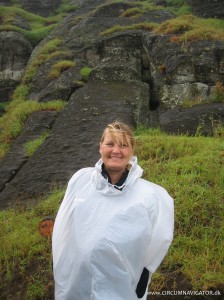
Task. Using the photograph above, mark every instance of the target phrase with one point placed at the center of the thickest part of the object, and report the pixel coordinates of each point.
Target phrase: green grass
(190, 168)
(17, 112)
(32, 146)
(59, 67)
(132, 12)
(20, 108)
(40, 26)
(66, 8)
(190, 28)
(147, 26)
(48, 51)
(141, 8)
(178, 7)
(3, 105)
(184, 28)
(85, 73)
(24, 253)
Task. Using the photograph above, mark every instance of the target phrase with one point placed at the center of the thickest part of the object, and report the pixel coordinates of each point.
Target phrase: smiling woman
(116, 149)
(113, 228)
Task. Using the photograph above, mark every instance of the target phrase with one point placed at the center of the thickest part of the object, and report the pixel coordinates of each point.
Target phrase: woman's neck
(115, 176)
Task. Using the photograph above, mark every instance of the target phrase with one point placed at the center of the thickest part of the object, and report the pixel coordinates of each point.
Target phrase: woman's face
(115, 153)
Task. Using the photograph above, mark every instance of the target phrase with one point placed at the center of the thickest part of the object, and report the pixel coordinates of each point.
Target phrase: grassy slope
(190, 168)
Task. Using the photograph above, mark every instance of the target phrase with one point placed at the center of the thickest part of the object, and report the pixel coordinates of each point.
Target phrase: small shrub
(85, 73)
(59, 67)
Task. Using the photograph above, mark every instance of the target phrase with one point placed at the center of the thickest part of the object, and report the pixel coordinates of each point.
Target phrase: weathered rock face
(180, 72)
(200, 119)
(37, 124)
(14, 54)
(137, 77)
(43, 8)
(5, 2)
(74, 139)
(208, 8)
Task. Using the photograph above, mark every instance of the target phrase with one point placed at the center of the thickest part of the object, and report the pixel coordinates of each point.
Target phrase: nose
(116, 148)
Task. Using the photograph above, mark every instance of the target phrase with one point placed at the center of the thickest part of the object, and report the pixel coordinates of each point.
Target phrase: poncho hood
(102, 184)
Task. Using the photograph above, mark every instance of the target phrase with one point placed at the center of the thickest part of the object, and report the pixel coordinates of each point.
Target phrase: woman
(113, 228)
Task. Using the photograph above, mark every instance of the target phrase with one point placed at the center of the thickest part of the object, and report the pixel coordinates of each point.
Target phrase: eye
(124, 145)
(110, 144)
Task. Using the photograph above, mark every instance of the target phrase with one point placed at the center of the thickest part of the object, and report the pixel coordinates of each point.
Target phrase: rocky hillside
(134, 61)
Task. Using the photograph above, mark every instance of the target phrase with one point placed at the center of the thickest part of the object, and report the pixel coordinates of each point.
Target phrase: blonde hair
(120, 132)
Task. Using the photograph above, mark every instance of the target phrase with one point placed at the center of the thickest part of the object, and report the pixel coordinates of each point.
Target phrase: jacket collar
(102, 183)
(120, 182)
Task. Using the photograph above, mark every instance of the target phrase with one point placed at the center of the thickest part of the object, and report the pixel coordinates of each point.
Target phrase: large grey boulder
(183, 71)
(43, 8)
(208, 8)
(15, 52)
(74, 139)
(201, 119)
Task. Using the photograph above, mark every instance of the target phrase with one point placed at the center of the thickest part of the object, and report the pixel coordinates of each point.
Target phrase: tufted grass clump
(132, 12)
(149, 6)
(49, 50)
(32, 146)
(85, 73)
(145, 26)
(59, 67)
(189, 28)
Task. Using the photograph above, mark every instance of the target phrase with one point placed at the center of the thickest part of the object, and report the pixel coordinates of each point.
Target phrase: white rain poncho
(103, 237)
